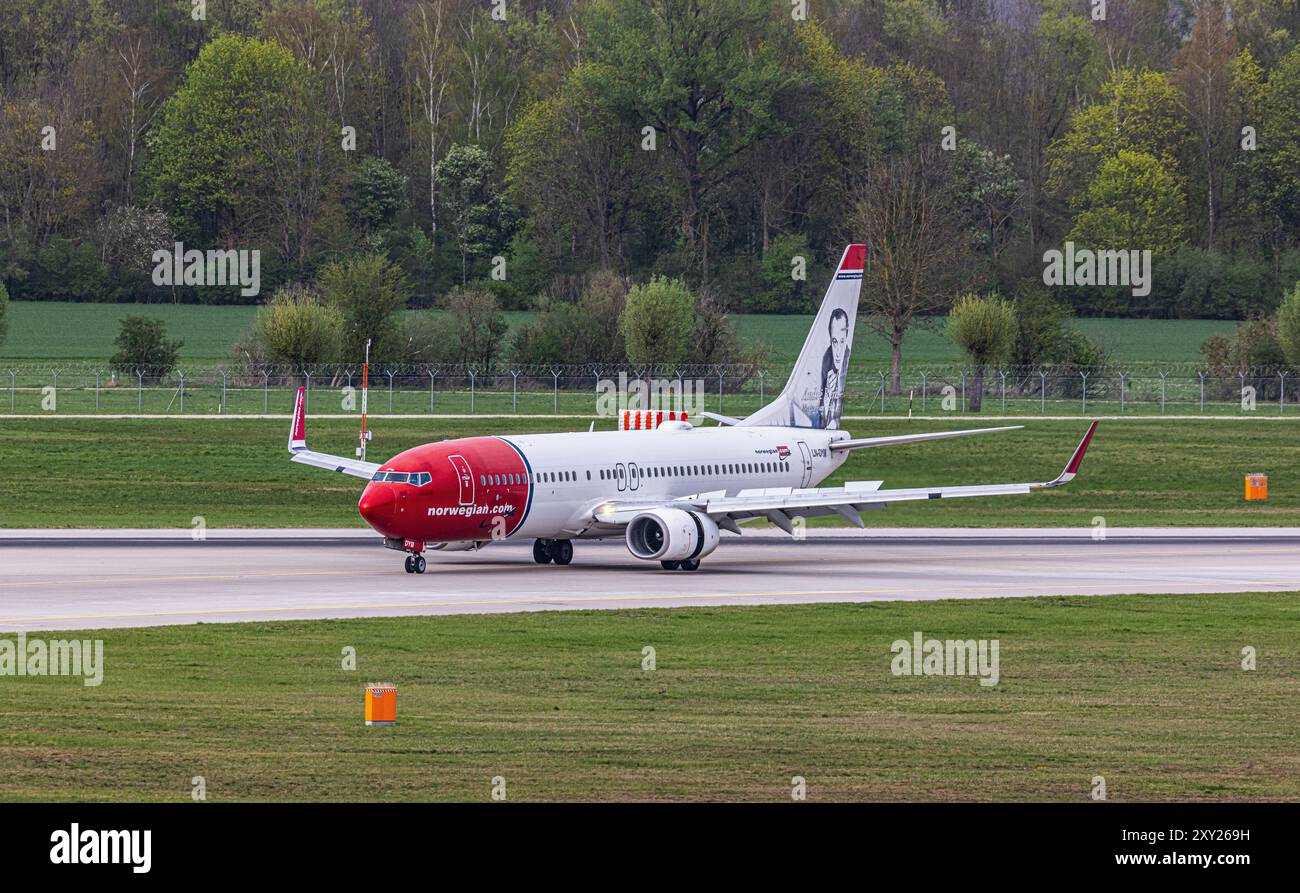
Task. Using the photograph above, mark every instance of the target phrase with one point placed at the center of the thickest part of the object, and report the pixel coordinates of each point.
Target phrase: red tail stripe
(855, 257)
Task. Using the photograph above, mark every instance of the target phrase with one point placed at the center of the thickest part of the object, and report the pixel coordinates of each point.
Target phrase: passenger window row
(673, 471)
(540, 477)
(421, 478)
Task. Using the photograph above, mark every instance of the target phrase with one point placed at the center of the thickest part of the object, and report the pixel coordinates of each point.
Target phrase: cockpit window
(415, 478)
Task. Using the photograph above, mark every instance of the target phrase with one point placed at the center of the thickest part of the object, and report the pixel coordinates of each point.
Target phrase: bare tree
(902, 211)
(483, 74)
(334, 46)
(1203, 74)
(141, 105)
(429, 56)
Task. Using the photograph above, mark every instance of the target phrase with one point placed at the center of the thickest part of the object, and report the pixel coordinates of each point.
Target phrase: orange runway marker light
(1257, 486)
(381, 704)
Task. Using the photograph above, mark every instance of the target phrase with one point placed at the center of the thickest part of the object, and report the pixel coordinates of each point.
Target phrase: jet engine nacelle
(671, 535)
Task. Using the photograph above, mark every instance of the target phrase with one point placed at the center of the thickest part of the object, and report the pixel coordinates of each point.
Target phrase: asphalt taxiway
(81, 579)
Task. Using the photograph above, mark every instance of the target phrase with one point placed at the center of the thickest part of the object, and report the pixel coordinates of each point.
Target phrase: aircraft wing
(299, 452)
(354, 467)
(780, 505)
(895, 439)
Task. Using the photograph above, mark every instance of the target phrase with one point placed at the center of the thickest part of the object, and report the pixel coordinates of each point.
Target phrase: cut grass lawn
(1146, 691)
(236, 473)
(54, 330)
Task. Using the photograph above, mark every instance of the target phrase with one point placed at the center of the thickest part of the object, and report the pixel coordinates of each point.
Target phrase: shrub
(426, 338)
(296, 328)
(658, 321)
(1288, 325)
(476, 326)
(1254, 346)
(587, 331)
(369, 292)
(985, 329)
(142, 344)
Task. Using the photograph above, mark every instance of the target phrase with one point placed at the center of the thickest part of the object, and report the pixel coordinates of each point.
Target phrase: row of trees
(362, 300)
(1031, 332)
(733, 144)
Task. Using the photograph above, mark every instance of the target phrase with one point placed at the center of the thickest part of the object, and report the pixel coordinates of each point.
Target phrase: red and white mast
(365, 394)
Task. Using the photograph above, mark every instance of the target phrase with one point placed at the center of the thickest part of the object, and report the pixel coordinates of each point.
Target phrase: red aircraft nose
(377, 505)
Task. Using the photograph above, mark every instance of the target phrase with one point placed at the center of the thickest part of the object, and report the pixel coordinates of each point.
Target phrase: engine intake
(671, 535)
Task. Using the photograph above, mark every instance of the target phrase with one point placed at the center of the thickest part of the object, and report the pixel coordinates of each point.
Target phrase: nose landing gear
(415, 564)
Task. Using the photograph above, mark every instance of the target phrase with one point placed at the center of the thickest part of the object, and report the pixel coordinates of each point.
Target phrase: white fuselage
(575, 472)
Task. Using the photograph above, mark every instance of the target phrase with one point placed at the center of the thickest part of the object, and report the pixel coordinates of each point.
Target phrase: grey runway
(85, 580)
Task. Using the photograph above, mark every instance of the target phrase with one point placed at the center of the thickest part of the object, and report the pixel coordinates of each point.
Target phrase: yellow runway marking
(569, 600)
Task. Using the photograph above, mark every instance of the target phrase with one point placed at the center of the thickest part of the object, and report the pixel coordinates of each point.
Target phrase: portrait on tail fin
(835, 368)
(814, 394)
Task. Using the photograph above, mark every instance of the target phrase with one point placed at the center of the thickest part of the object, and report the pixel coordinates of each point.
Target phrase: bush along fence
(604, 390)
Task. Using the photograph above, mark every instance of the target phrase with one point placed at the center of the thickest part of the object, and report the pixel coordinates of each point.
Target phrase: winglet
(1076, 460)
(298, 429)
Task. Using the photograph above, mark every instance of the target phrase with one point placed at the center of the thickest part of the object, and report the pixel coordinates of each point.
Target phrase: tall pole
(365, 394)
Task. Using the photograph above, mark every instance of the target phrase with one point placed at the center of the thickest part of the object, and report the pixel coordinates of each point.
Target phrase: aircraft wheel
(541, 552)
(689, 564)
(669, 565)
(561, 551)
(420, 565)
(410, 564)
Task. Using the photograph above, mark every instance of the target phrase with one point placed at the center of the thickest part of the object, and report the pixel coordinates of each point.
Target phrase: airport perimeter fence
(594, 390)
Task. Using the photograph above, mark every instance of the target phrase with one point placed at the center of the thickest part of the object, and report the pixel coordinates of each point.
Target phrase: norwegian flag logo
(783, 452)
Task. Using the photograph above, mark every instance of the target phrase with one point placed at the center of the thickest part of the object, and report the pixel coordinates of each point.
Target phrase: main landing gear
(686, 564)
(415, 564)
(546, 551)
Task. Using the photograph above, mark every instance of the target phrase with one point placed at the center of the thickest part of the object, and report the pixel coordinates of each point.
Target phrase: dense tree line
(526, 148)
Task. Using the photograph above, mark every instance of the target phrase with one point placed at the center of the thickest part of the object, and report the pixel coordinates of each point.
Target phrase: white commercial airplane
(668, 491)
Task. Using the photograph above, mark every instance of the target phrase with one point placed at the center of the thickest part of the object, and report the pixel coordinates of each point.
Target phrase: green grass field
(84, 332)
(1146, 691)
(236, 473)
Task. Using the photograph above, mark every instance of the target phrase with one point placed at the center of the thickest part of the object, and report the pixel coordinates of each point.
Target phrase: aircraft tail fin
(813, 396)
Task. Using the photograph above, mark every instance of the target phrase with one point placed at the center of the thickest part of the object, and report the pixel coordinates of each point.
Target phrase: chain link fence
(590, 389)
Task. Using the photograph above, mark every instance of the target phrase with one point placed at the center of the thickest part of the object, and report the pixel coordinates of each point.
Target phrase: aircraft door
(807, 463)
(620, 472)
(633, 476)
(464, 478)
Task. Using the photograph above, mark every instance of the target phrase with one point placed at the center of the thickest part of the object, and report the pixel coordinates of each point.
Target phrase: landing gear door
(464, 478)
(807, 463)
